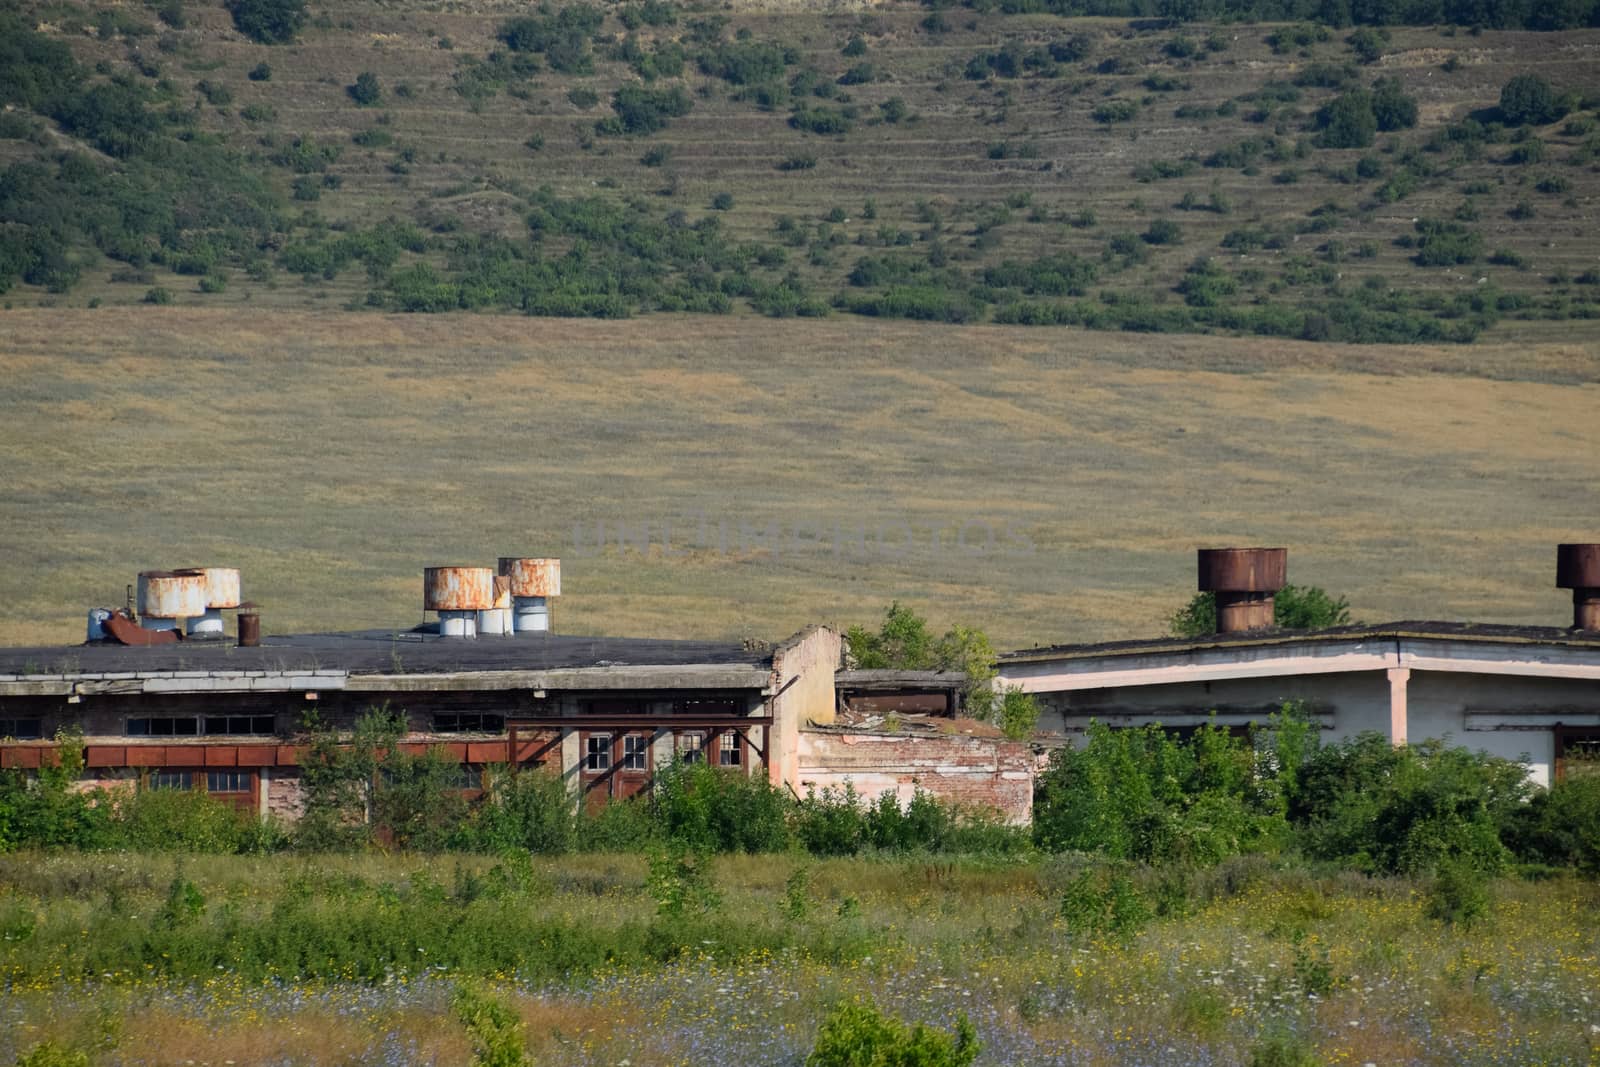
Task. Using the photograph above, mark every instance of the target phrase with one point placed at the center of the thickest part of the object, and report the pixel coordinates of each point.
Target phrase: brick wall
(970, 771)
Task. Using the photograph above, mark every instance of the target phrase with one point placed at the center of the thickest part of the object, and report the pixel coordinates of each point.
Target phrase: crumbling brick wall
(974, 772)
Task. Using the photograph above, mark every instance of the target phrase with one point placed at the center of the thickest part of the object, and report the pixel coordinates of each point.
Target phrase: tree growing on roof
(1295, 607)
(904, 642)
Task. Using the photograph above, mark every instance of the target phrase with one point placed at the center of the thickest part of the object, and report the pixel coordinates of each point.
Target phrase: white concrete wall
(1438, 703)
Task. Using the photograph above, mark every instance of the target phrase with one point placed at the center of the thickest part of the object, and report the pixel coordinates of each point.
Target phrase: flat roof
(1467, 632)
(388, 652)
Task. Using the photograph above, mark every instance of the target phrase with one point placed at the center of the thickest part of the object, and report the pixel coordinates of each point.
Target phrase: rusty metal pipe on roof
(1578, 569)
(1244, 581)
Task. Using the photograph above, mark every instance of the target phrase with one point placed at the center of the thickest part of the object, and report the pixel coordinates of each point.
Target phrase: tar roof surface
(382, 652)
(1414, 629)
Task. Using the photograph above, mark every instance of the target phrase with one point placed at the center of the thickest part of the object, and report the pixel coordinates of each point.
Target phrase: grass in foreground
(1249, 960)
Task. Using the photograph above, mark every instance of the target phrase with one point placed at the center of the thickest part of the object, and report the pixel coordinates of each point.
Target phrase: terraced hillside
(898, 161)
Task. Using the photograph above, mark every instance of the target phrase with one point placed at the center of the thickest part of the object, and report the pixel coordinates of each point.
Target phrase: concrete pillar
(1398, 679)
(263, 787)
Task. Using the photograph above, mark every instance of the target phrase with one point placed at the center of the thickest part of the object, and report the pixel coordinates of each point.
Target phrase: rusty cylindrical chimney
(1244, 581)
(1578, 569)
(249, 625)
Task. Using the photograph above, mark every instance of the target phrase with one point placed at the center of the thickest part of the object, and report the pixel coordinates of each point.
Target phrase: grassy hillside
(953, 165)
(332, 463)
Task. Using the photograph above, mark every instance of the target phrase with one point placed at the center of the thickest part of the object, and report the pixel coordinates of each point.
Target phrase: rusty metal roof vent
(249, 625)
(167, 596)
(1244, 581)
(534, 583)
(1578, 569)
(458, 594)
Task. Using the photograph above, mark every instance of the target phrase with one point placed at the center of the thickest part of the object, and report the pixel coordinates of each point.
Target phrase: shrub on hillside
(1347, 121)
(1528, 99)
(268, 21)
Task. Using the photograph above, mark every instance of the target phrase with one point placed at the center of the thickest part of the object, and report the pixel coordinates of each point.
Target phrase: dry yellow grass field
(332, 456)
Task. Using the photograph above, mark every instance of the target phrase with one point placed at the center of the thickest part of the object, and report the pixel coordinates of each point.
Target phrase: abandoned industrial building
(165, 698)
(1514, 691)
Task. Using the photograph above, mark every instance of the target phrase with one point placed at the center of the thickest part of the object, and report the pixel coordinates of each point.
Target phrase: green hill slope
(954, 165)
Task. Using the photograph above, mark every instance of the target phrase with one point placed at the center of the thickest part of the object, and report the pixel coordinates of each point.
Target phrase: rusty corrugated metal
(177, 594)
(532, 576)
(457, 588)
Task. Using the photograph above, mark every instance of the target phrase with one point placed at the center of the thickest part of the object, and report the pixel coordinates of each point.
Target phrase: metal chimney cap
(1242, 570)
(1578, 566)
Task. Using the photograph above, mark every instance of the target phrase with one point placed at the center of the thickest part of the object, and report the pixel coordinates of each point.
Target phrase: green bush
(1347, 121)
(1101, 904)
(707, 808)
(1406, 809)
(644, 111)
(366, 91)
(531, 811)
(1446, 244)
(492, 1026)
(268, 21)
(858, 1035)
(1295, 607)
(1141, 794)
(1528, 99)
(1459, 893)
(1560, 827)
(51, 1054)
(261, 72)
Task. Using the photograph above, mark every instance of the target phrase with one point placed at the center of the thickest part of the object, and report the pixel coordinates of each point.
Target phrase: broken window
(598, 754)
(1577, 754)
(635, 753)
(728, 750)
(22, 729)
(691, 745)
(194, 725)
(240, 724)
(465, 722)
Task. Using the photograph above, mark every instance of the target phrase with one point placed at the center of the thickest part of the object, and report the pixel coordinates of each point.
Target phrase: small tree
(904, 642)
(366, 91)
(1294, 607)
(1347, 121)
(268, 21)
(1528, 99)
(1391, 107)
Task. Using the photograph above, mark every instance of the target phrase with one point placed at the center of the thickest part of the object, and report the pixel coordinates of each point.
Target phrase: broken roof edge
(1425, 630)
(863, 679)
